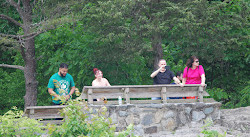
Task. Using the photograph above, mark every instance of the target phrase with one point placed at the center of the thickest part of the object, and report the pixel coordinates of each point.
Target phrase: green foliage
(12, 90)
(211, 133)
(175, 65)
(81, 121)
(14, 124)
(218, 94)
(117, 37)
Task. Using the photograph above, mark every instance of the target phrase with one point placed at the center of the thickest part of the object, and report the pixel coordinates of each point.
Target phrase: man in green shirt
(61, 85)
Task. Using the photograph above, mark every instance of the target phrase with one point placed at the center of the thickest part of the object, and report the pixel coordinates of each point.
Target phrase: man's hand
(67, 97)
(182, 85)
(203, 84)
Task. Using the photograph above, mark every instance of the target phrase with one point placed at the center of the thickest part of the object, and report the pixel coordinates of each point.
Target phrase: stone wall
(153, 118)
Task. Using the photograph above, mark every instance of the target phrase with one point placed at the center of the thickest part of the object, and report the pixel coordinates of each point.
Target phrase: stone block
(208, 110)
(135, 110)
(168, 124)
(123, 107)
(122, 123)
(198, 115)
(129, 119)
(148, 110)
(183, 118)
(150, 106)
(169, 114)
(114, 118)
(147, 119)
(158, 116)
(188, 110)
(123, 113)
(138, 130)
(150, 130)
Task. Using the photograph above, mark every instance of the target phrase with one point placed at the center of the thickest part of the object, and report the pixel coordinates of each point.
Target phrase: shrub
(12, 123)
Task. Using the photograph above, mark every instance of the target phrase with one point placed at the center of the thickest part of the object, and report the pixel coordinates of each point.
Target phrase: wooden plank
(47, 107)
(200, 94)
(90, 99)
(107, 95)
(182, 100)
(209, 100)
(115, 102)
(143, 91)
(145, 101)
(163, 95)
(45, 116)
(205, 94)
(126, 94)
(141, 86)
(31, 112)
(57, 122)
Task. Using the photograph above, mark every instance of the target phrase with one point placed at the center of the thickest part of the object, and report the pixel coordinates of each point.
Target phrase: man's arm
(71, 92)
(156, 72)
(176, 80)
(184, 81)
(53, 93)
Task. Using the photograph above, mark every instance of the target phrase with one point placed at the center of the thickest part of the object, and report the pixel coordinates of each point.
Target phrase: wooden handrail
(143, 91)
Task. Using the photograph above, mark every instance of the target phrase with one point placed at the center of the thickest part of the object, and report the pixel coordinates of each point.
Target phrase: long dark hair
(190, 61)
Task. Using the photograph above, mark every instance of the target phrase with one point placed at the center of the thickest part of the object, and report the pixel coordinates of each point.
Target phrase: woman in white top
(99, 81)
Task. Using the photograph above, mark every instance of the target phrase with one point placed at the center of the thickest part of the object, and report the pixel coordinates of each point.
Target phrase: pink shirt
(193, 75)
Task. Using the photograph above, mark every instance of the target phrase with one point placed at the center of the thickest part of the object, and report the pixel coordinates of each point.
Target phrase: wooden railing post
(32, 111)
(126, 94)
(164, 94)
(90, 98)
(200, 94)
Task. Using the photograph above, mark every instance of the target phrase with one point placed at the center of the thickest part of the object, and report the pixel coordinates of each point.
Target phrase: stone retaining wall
(153, 118)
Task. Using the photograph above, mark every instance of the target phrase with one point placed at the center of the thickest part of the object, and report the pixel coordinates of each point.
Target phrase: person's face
(196, 62)
(63, 72)
(162, 63)
(98, 74)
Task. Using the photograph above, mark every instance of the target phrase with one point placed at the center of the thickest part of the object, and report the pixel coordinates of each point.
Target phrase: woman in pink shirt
(193, 73)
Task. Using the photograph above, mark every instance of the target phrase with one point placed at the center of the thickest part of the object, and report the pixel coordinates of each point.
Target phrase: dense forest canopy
(125, 39)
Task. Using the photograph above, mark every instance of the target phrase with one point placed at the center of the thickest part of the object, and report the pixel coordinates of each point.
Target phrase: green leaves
(14, 124)
(81, 121)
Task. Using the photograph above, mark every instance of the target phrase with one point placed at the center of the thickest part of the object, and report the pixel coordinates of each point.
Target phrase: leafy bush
(12, 123)
(211, 133)
(81, 121)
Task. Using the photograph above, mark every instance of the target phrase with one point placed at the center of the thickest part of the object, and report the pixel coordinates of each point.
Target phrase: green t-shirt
(61, 85)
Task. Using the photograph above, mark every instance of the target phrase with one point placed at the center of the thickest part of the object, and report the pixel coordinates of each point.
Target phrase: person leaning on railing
(193, 73)
(163, 75)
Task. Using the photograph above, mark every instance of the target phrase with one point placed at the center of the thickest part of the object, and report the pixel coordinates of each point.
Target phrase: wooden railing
(142, 94)
(131, 94)
(47, 114)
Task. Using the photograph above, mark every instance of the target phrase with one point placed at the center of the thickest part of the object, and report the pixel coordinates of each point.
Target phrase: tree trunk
(31, 83)
(156, 43)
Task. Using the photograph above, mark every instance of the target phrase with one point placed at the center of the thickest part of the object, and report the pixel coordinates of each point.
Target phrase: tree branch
(10, 19)
(12, 66)
(17, 7)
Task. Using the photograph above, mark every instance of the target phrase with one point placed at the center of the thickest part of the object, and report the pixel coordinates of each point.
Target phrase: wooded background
(125, 39)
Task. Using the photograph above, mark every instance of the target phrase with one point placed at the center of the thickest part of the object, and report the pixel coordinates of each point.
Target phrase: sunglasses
(196, 61)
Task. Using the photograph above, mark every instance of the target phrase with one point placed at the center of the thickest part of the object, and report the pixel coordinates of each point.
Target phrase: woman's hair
(95, 70)
(190, 61)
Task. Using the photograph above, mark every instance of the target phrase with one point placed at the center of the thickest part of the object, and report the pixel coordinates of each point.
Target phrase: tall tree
(36, 17)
